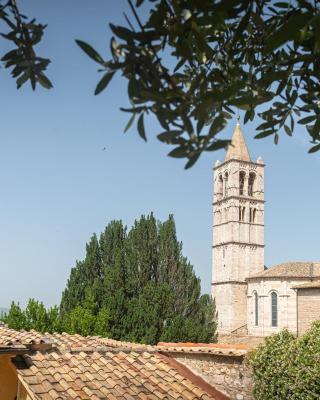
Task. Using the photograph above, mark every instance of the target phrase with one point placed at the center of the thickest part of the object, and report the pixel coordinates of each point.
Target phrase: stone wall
(287, 305)
(228, 374)
(308, 308)
(238, 238)
(231, 302)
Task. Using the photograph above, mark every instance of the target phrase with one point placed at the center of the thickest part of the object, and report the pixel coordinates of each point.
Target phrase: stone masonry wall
(228, 374)
(238, 237)
(287, 306)
(308, 308)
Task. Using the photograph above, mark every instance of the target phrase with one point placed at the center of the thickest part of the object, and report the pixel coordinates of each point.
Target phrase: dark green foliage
(134, 286)
(24, 35)
(138, 287)
(288, 368)
(193, 63)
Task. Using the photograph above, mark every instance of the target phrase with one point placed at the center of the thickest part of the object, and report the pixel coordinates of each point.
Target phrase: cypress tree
(134, 286)
(112, 245)
(85, 280)
(138, 286)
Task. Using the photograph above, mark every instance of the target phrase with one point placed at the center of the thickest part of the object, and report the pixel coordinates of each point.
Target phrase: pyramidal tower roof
(238, 148)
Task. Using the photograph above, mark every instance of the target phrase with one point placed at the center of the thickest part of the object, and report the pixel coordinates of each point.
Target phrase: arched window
(226, 184)
(218, 217)
(256, 308)
(241, 213)
(242, 175)
(274, 309)
(252, 215)
(251, 180)
(220, 186)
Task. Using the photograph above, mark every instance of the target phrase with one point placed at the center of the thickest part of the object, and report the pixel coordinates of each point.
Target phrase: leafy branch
(24, 62)
(192, 65)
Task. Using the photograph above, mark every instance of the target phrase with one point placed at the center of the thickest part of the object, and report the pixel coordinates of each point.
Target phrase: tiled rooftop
(107, 375)
(291, 270)
(67, 342)
(94, 368)
(62, 340)
(205, 348)
(309, 285)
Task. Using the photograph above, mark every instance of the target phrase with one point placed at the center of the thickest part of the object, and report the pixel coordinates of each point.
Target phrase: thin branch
(129, 22)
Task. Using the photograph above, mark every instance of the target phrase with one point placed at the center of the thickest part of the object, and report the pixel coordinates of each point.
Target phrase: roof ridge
(293, 269)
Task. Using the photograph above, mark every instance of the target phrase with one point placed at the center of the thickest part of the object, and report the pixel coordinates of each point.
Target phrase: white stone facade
(238, 233)
(286, 307)
(263, 301)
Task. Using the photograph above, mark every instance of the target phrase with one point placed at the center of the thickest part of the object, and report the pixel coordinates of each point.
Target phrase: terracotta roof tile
(232, 350)
(129, 375)
(292, 269)
(309, 285)
(94, 368)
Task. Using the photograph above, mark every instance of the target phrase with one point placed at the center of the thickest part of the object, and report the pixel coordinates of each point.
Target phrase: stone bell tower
(238, 232)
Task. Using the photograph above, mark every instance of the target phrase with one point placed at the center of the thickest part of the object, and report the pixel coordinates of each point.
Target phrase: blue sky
(58, 185)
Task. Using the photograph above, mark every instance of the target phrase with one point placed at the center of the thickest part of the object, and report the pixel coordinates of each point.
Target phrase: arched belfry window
(220, 185)
(256, 308)
(252, 214)
(274, 309)
(226, 176)
(251, 180)
(242, 176)
(242, 211)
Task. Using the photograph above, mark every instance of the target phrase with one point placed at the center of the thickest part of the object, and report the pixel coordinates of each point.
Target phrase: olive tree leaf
(179, 152)
(314, 148)
(141, 129)
(104, 81)
(218, 145)
(169, 136)
(23, 78)
(90, 51)
(192, 160)
(287, 130)
(307, 120)
(264, 134)
(130, 122)
(44, 81)
(288, 31)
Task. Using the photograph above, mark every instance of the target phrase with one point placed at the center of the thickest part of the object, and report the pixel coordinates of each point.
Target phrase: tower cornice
(239, 244)
(230, 282)
(238, 161)
(247, 198)
(238, 222)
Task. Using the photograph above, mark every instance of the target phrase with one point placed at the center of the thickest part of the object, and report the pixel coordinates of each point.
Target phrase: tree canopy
(193, 63)
(286, 367)
(132, 285)
(139, 281)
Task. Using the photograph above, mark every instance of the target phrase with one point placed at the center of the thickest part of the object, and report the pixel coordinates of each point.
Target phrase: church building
(250, 298)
